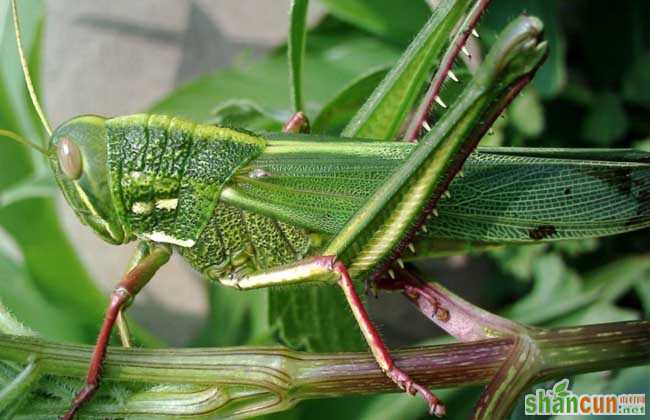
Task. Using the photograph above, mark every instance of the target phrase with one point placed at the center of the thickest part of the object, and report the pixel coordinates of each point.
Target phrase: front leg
(328, 269)
(149, 258)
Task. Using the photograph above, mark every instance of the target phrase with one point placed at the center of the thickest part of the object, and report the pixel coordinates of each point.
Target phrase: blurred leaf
(51, 261)
(247, 114)
(316, 319)
(556, 291)
(33, 223)
(296, 50)
(32, 187)
(385, 111)
(17, 291)
(636, 83)
(331, 62)
(598, 313)
(337, 113)
(576, 247)
(615, 279)
(643, 145)
(559, 292)
(527, 113)
(346, 407)
(643, 290)
(518, 260)
(606, 120)
(631, 381)
(590, 383)
(235, 318)
(395, 21)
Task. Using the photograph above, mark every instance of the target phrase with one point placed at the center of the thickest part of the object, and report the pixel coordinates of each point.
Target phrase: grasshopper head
(77, 155)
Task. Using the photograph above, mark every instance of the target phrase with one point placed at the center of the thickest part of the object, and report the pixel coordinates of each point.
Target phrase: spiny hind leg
(148, 259)
(328, 269)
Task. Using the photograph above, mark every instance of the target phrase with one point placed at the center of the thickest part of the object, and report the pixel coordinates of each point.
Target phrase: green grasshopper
(260, 210)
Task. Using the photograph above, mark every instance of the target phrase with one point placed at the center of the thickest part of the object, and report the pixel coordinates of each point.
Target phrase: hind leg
(328, 269)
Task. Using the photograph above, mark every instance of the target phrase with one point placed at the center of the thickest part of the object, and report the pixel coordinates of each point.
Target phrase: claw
(406, 383)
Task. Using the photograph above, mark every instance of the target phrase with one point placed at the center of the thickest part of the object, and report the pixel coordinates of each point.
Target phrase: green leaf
(631, 381)
(33, 223)
(18, 292)
(54, 269)
(643, 290)
(384, 112)
(636, 83)
(10, 325)
(518, 261)
(597, 313)
(315, 318)
(393, 20)
(331, 62)
(561, 296)
(615, 279)
(643, 145)
(235, 318)
(32, 187)
(337, 113)
(555, 292)
(247, 114)
(606, 120)
(296, 50)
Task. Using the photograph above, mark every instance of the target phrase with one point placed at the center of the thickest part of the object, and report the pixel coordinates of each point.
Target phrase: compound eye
(69, 157)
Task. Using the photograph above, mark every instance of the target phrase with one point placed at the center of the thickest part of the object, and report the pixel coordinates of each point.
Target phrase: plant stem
(247, 381)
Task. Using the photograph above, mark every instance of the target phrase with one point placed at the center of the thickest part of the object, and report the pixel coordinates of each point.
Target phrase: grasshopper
(233, 205)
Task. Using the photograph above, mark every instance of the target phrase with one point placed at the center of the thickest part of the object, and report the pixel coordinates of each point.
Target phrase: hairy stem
(246, 381)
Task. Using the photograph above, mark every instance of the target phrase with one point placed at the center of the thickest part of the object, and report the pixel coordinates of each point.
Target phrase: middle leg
(328, 269)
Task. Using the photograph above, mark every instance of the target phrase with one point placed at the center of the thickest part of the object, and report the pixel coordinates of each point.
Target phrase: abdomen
(241, 242)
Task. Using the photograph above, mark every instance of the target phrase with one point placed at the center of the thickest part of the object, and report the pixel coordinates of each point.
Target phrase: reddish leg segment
(326, 269)
(132, 282)
(378, 347)
(298, 123)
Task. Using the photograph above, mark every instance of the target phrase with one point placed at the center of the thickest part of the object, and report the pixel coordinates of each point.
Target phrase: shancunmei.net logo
(561, 400)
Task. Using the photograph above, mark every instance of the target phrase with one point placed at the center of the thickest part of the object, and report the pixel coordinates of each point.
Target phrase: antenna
(28, 79)
(22, 140)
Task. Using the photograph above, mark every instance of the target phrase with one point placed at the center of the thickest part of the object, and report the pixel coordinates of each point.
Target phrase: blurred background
(122, 57)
